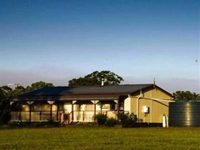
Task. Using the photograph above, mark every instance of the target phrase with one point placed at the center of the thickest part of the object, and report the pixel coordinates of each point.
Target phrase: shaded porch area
(65, 111)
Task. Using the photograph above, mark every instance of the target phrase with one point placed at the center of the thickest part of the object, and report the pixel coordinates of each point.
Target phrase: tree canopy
(186, 95)
(95, 78)
(38, 85)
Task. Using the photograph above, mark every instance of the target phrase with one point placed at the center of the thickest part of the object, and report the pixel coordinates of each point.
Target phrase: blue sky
(55, 41)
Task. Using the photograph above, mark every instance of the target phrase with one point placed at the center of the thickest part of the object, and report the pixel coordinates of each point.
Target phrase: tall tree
(38, 85)
(95, 78)
(186, 95)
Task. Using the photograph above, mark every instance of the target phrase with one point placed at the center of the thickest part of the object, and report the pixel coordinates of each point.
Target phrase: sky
(55, 41)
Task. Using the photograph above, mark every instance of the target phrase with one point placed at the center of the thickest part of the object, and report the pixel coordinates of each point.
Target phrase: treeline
(186, 96)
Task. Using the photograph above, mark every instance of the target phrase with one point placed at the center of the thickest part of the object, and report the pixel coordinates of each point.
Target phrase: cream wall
(127, 104)
(156, 108)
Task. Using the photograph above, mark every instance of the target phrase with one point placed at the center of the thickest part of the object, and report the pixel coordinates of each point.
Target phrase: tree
(95, 78)
(18, 91)
(186, 95)
(38, 85)
(7, 95)
(6, 90)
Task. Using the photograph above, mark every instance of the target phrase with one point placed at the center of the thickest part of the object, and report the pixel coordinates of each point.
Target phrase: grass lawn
(82, 138)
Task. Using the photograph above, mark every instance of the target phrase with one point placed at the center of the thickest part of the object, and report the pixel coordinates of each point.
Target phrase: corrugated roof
(90, 90)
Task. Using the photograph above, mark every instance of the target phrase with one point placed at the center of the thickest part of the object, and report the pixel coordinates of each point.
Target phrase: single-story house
(148, 102)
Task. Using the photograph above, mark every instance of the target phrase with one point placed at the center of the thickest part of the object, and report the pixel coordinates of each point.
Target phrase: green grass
(95, 138)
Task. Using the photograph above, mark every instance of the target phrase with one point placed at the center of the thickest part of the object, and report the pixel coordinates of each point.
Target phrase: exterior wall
(38, 107)
(84, 112)
(67, 107)
(25, 107)
(39, 112)
(156, 108)
(127, 104)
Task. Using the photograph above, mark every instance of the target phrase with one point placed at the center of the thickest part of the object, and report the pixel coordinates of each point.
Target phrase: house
(80, 104)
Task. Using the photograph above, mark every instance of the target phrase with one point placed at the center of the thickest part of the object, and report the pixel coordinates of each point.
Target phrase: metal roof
(89, 90)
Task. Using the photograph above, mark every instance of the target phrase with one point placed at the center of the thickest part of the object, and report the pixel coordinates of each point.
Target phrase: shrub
(111, 122)
(101, 119)
(128, 120)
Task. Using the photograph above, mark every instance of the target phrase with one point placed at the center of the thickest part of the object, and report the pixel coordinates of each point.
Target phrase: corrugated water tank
(184, 114)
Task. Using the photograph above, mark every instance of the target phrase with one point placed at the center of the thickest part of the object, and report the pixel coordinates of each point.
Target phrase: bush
(128, 120)
(101, 119)
(111, 122)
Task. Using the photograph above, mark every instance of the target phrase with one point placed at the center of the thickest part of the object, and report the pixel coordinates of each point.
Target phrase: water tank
(184, 114)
